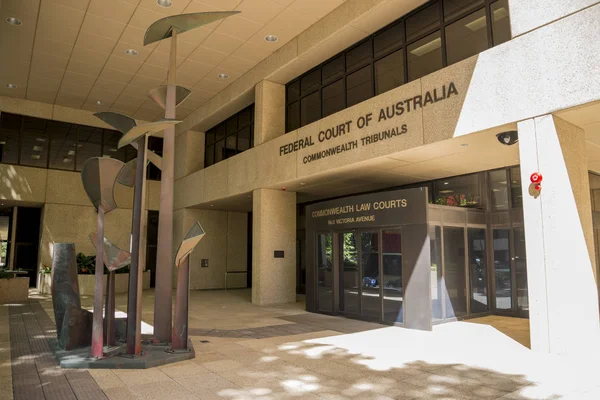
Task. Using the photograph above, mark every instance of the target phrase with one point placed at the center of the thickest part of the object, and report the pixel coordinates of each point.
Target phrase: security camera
(508, 138)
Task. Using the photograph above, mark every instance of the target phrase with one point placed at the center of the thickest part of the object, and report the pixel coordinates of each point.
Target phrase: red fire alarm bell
(536, 177)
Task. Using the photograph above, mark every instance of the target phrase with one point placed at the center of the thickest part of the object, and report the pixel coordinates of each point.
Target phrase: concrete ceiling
(72, 52)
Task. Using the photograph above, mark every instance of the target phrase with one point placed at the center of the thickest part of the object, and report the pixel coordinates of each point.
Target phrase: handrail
(233, 272)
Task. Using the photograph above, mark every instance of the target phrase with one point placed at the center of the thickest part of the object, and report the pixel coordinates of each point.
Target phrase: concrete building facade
(450, 106)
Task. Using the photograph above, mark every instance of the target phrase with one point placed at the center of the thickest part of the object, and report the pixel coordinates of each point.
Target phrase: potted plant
(44, 283)
(12, 287)
(86, 270)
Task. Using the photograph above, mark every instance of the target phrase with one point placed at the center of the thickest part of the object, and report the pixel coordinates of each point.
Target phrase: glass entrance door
(325, 272)
(371, 277)
(350, 274)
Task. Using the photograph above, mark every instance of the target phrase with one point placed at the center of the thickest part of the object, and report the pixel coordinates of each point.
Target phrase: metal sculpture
(179, 339)
(99, 175)
(136, 135)
(65, 287)
(114, 259)
(170, 27)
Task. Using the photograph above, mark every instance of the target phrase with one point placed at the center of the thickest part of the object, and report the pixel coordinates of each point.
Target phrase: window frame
(239, 127)
(401, 44)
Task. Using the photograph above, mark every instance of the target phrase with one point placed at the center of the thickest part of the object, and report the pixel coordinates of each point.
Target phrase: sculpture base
(116, 357)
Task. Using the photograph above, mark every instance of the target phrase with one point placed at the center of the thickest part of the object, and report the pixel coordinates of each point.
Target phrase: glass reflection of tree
(350, 251)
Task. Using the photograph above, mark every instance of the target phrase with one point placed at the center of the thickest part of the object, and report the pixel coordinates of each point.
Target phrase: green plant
(6, 275)
(46, 269)
(86, 264)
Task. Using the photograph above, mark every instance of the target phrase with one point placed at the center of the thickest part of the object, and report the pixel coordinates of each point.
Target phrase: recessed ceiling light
(37, 148)
(2, 142)
(98, 102)
(113, 150)
(464, 144)
(212, 205)
(66, 160)
(11, 86)
(271, 38)
(445, 183)
(35, 156)
(131, 52)
(223, 76)
(302, 183)
(164, 3)
(14, 21)
(39, 139)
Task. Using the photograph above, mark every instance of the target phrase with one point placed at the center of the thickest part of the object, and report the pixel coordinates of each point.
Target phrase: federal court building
(404, 162)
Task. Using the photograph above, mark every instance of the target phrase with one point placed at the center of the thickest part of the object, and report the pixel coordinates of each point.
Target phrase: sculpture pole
(179, 340)
(134, 338)
(97, 327)
(110, 334)
(164, 260)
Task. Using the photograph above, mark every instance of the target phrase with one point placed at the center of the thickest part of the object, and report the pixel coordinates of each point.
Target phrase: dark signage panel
(399, 207)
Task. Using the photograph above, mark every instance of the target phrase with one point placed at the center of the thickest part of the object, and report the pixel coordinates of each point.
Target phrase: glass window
(437, 283)
(89, 144)
(310, 108)
(220, 132)
(389, 39)
(466, 37)
(392, 276)
(454, 270)
(293, 91)
(244, 139)
(219, 151)
(521, 268)
(371, 299)
(502, 270)
(458, 191)
(333, 98)
(516, 191)
(231, 146)
(9, 146)
(359, 86)
(499, 187)
(425, 56)
(63, 142)
(292, 114)
(351, 275)
(477, 270)
(231, 125)
(359, 55)
(454, 8)
(310, 82)
(110, 147)
(210, 137)
(325, 272)
(156, 145)
(34, 143)
(209, 156)
(389, 72)
(500, 22)
(333, 69)
(246, 116)
(423, 21)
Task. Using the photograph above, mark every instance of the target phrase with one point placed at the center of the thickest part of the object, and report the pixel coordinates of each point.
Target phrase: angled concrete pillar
(269, 111)
(563, 298)
(273, 230)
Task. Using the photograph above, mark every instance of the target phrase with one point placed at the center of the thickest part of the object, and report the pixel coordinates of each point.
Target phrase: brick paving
(35, 373)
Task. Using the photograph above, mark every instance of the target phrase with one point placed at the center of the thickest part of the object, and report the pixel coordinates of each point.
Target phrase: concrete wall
(225, 246)
(526, 15)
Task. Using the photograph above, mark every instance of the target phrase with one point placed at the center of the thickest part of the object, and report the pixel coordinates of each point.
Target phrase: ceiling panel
(73, 53)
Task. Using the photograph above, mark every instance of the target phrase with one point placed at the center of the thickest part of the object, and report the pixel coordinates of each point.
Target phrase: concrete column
(273, 228)
(269, 111)
(563, 297)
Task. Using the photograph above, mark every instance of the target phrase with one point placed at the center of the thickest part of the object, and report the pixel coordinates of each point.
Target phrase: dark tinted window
(292, 116)
(293, 91)
(310, 82)
(500, 22)
(230, 137)
(333, 69)
(425, 56)
(310, 109)
(466, 37)
(359, 55)
(423, 21)
(389, 39)
(63, 142)
(89, 144)
(453, 8)
(333, 98)
(34, 143)
(359, 86)
(389, 72)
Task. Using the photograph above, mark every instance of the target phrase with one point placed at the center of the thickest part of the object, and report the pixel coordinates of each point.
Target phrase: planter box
(86, 283)
(14, 290)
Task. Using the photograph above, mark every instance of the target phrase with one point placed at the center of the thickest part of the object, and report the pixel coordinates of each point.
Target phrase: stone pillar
(273, 229)
(563, 297)
(269, 111)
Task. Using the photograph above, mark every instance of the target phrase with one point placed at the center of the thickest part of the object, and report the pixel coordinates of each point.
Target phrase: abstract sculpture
(114, 259)
(99, 176)
(169, 98)
(179, 339)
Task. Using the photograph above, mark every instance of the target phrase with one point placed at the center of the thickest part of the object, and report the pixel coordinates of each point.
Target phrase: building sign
(369, 121)
(393, 208)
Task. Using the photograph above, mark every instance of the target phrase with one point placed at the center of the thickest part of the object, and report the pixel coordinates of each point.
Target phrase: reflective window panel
(499, 189)
(500, 22)
(466, 37)
(502, 269)
(393, 292)
(371, 299)
(351, 274)
(325, 272)
(521, 268)
(63, 144)
(425, 56)
(454, 269)
(389, 72)
(359, 86)
(437, 289)
(478, 270)
(34, 143)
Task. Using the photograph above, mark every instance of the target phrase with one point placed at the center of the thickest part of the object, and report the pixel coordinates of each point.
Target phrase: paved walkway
(250, 352)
